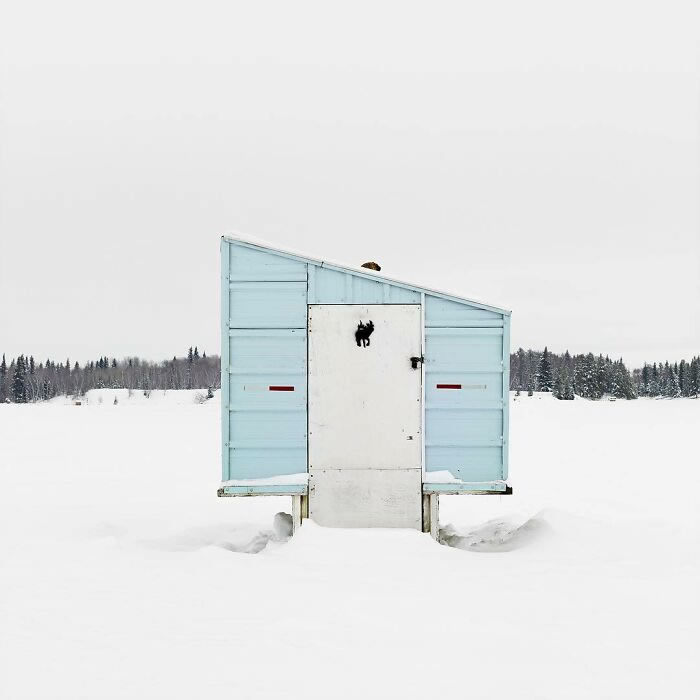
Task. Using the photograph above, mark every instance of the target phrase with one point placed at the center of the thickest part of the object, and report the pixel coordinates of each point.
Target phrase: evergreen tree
(602, 377)
(579, 372)
(694, 377)
(683, 378)
(621, 385)
(568, 362)
(646, 379)
(563, 385)
(663, 380)
(558, 390)
(568, 387)
(522, 376)
(3, 374)
(655, 381)
(674, 390)
(196, 353)
(530, 368)
(544, 372)
(190, 360)
(19, 391)
(585, 384)
(514, 360)
(614, 386)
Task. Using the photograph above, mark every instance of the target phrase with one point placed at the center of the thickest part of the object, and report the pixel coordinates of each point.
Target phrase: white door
(365, 415)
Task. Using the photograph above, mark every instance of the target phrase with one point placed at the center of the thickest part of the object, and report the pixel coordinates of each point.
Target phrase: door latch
(415, 361)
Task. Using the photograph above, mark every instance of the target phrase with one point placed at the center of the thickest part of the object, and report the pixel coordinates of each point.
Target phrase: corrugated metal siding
(264, 321)
(268, 305)
(464, 426)
(445, 313)
(250, 265)
(328, 286)
(267, 429)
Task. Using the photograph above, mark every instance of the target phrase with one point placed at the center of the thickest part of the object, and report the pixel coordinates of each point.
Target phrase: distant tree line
(25, 380)
(672, 380)
(593, 377)
(587, 375)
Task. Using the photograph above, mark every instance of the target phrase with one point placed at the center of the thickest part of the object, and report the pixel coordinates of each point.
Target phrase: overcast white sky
(543, 156)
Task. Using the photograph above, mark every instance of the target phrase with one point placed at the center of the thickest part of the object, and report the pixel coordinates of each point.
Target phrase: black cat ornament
(363, 333)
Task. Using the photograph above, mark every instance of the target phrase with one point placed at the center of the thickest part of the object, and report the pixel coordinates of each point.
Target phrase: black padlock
(415, 361)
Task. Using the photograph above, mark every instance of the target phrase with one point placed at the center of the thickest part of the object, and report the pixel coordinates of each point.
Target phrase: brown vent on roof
(372, 266)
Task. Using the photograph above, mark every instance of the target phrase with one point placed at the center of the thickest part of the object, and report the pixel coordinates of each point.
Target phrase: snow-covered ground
(123, 575)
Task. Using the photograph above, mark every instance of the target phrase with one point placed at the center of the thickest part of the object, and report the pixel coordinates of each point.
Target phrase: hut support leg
(434, 516)
(431, 517)
(296, 513)
(300, 510)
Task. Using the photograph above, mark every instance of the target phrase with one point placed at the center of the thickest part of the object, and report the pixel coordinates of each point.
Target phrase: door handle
(415, 361)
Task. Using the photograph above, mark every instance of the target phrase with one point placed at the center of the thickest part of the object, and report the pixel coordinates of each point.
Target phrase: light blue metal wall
(264, 344)
(264, 315)
(329, 286)
(464, 427)
(267, 429)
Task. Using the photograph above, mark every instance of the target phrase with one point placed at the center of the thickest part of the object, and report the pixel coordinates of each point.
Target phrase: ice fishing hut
(362, 397)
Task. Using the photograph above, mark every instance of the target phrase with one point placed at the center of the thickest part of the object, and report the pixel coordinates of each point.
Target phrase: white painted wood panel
(365, 416)
(364, 402)
(365, 497)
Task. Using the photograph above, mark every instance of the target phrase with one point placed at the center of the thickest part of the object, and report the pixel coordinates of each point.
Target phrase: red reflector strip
(281, 388)
(448, 386)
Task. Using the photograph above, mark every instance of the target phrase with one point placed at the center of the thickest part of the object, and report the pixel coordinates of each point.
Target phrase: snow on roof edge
(237, 237)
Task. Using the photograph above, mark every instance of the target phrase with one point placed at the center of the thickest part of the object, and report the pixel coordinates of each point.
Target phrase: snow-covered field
(123, 575)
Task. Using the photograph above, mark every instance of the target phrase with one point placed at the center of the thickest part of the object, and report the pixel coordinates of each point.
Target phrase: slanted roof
(254, 242)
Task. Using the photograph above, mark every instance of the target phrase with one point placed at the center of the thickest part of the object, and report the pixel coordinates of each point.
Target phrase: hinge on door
(416, 360)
